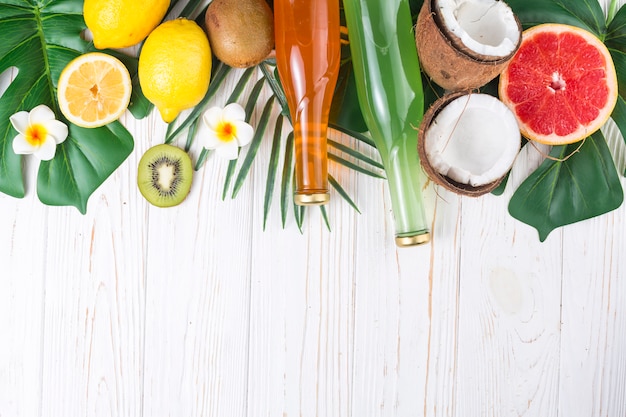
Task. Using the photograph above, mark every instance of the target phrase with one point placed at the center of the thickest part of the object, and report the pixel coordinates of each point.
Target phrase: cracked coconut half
(464, 44)
(468, 142)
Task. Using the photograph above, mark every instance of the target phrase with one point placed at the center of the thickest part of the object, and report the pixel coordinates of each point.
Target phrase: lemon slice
(94, 89)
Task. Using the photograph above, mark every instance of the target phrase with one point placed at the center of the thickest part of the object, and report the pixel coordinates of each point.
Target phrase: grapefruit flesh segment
(561, 84)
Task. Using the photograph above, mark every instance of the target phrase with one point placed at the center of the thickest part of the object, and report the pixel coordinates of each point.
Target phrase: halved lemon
(94, 90)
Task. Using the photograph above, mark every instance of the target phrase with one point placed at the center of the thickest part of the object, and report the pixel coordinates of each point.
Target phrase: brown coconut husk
(434, 175)
(447, 60)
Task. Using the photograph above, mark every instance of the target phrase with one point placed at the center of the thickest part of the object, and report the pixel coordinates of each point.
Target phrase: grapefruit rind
(528, 101)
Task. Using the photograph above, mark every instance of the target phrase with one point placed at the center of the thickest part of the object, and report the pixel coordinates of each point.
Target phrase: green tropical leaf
(94, 153)
(355, 154)
(254, 146)
(499, 190)
(297, 210)
(564, 192)
(616, 42)
(286, 177)
(232, 165)
(241, 85)
(616, 32)
(619, 116)
(325, 217)
(432, 91)
(204, 154)
(345, 110)
(193, 9)
(230, 173)
(586, 14)
(356, 135)
(353, 166)
(216, 81)
(274, 82)
(39, 39)
(342, 192)
(587, 184)
(272, 168)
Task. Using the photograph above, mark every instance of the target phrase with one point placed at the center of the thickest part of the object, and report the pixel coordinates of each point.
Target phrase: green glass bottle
(389, 87)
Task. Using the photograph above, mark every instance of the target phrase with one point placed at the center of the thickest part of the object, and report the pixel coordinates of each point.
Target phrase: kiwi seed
(164, 175)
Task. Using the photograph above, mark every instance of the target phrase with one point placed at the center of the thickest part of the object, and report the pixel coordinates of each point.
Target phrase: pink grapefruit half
(561, 84)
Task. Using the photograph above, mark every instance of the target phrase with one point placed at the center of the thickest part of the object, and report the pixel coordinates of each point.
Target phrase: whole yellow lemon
(122, 23)
(175, 67)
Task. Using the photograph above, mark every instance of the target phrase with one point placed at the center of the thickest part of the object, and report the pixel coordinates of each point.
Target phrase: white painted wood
(196, 310)
(593, 350)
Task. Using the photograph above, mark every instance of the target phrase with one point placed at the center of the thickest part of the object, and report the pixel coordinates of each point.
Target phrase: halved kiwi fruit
(164, 175)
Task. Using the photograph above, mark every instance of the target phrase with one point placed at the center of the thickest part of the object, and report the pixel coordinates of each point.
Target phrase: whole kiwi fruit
(164, 175)
(241, 32)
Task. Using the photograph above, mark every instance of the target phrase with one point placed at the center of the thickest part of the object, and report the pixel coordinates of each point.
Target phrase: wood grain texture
(197, 310)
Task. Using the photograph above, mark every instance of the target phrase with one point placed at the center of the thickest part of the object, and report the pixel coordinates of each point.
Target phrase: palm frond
(325, 217)
(355, 154)
(204, 154)
(216, 81)
(191, 134)
(335, 184)
(241, 85)
(192, 10)
(358, 136)
(251, 103)
(272, 168)
(274, 83)
(230, 172)
(234, 96)
(253, 98)
(287, 175)
(353, 166)
(254, 146)
(238, 171)
(298, 211)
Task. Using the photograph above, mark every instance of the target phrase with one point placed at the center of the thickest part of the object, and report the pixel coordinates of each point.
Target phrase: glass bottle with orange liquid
(308, 52)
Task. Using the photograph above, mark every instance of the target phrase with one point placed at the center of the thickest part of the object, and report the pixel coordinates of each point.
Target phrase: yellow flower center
(226, 131)
(36, 134)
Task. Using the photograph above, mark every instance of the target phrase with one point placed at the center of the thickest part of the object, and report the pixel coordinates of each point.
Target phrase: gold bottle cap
(406, 241)
(317, 199)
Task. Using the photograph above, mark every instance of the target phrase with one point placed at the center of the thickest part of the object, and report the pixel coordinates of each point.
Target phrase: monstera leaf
(561, 191)
(586, 14)
(567, 190)
(39, 37)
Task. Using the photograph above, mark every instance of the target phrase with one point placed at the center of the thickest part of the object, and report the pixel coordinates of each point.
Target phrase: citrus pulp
(561, 84)
(94, 89)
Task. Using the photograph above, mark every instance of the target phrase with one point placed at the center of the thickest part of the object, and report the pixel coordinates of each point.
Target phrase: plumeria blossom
(225, 130)
(39, 132)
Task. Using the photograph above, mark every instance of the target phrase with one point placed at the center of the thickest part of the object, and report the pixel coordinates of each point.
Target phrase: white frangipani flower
(225, 130)
(39, 132)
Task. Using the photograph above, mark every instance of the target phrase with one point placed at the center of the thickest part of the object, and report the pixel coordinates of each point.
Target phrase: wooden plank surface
(197, 310)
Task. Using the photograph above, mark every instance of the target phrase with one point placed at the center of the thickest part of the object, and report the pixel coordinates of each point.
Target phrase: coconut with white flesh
(464, 44)
(468, 142)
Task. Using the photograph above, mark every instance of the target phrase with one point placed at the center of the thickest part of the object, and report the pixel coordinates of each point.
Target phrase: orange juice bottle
(308, 52)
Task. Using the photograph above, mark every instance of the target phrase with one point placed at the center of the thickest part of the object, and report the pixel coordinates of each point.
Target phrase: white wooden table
(136, 311)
